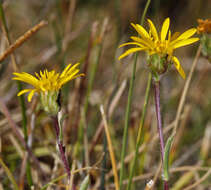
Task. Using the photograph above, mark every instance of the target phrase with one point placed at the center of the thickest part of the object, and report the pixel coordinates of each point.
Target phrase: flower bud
(50, 102)
(158, 65)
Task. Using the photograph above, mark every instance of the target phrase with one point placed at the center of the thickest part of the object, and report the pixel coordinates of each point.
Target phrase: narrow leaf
(85, 183)
(166, 158)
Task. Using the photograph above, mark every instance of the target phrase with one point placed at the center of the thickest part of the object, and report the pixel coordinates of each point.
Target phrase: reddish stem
(166, 187)
(158, 114)
(159, 121)
(61, 146)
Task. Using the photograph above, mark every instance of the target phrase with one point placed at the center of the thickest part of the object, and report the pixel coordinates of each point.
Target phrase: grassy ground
(90, 32)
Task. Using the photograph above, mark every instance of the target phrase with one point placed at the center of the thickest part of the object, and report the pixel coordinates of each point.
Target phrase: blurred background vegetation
(77, 32)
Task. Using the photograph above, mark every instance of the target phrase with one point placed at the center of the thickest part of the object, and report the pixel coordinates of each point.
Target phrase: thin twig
(111, 108)
(204, 177)
(69, 21)
(63, 176)
(172, 170)
(71, 184)
(142, 147)
(9, 174)
(93, 71)
(157, 173)
(22, 39)
(86, 143)
(186, 87)
(80, 87)
(188, 153)
(14, 127)
(23, 171)
(110, 147)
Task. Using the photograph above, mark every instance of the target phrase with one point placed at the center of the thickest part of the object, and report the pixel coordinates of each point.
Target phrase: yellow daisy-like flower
(162, 44)
(204, 26)
(47, 81)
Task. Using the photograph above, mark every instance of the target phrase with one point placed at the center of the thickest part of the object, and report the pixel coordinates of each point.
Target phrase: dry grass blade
(116, 98)
(205, 145)
(14, 127)
(183, 180)
(110, 147)
(48, 35)
(9, 174)
(16, 145)
(172, 170)
(69, 20)
(157, 174)
(189, 168)
(205, 176)
(23, 172)
(111, 109)
(129, 157)
(22, 39)
(5, 111)
(70, 185)
(185, 91)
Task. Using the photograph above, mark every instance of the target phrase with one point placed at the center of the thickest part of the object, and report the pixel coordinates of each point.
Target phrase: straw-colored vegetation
(106, 123)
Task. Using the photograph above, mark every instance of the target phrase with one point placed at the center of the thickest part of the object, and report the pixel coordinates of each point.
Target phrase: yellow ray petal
(132, 50)
(31, 95)
(153, 29)
(42, 75)
(187, 34)
(185, 42)
(142, 32)
(37, 75)
(147, 43)
(23, 92)
(25, 75)
(178, 67)
(169, 36)
(69, 77)
(72, 69)
(27, 78)
(175, 36)
(131, 43)
(164, 29)
(65, 70)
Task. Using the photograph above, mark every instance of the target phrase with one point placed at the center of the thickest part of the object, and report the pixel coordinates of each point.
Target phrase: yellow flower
(47, 81)
(154, 43)
(204, 26)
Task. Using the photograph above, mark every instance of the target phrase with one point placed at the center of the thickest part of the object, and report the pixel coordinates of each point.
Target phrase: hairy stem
(61, 146)
(158, 114)
(159, 122)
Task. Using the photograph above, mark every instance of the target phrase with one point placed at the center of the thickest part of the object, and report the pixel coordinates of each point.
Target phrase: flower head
(204, 29)
(162, 44)
(204, 26)
(47, 83)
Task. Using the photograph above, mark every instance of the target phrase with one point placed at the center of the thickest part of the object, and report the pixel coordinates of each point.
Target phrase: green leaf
(85, 183)
(166, 158)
